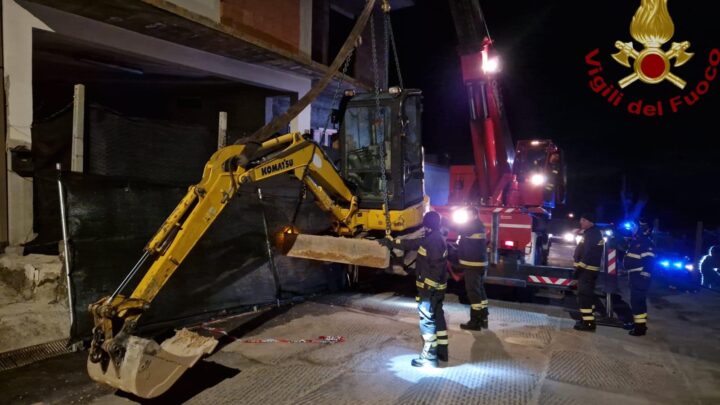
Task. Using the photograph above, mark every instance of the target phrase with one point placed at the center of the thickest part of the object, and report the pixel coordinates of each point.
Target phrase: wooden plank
(361, 252)
(78, 129)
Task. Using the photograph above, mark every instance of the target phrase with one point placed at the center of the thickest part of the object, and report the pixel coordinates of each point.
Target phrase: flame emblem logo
(652, 27)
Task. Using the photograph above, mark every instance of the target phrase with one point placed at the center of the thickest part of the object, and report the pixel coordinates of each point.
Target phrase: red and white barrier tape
(319, 339)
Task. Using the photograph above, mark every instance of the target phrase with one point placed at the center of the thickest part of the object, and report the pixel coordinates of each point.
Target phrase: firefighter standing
(639, 262)
(431, 282)
(588, 254)
(472, 257)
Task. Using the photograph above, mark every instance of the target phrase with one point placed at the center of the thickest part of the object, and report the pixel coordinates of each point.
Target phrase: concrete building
(175, 64)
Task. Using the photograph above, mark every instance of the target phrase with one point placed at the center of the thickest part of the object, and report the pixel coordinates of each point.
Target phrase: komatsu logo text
(269, 169)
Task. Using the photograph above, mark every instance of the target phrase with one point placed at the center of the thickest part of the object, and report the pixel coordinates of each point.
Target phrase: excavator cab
(399, 113)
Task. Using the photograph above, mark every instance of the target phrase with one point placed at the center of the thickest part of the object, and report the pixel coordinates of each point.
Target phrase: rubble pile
(33, 300)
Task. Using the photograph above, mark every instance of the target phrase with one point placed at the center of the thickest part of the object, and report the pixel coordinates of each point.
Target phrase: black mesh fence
(111, 220)
(136, 171)
(118, 145)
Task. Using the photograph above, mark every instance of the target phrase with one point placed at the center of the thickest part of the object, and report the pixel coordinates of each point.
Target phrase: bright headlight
(538, 179)
(569, 237)
(460, 216)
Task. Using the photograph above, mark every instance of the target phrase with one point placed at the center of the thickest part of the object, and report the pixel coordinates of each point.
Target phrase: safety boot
(484, 313)
(442, 352)
(640, 329)
(428, 357)
(586, 326)
(475, 322)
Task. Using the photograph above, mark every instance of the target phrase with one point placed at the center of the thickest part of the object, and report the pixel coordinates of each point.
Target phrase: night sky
(545, 84)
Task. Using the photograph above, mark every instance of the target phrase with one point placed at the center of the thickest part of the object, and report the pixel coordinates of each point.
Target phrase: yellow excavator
(376, 187)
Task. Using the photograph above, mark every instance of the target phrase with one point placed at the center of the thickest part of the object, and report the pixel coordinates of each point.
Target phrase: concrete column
(302, 121)
(222, 130)
(3, 142)
(306, 27)
(18, 24)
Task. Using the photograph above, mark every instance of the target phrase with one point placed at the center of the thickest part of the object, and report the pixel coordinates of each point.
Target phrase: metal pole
(268, 246)
(608, 293)
(495, 238)
(66, 245)
(698, 242)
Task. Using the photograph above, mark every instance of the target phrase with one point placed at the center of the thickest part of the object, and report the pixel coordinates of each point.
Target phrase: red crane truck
(512, 187)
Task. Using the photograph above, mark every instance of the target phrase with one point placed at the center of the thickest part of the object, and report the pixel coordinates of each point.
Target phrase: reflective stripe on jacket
(640, 256)
(588, 252)
(472, 247)
(431, 258)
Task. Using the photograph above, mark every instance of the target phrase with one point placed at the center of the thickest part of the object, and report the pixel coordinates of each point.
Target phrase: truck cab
(540, 170)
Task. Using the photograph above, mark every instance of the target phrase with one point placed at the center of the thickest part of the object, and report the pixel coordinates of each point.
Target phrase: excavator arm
(147, 369)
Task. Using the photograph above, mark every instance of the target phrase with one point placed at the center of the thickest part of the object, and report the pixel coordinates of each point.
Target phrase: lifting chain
(390, 37)
(379, 123)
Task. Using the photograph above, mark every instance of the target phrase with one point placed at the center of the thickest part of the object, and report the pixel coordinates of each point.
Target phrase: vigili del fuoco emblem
(652, 27)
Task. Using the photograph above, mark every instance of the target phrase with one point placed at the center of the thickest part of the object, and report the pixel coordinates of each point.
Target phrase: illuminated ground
(529, 355)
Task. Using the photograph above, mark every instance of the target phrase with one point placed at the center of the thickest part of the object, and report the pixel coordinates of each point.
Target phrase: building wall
(274, 21)
(19, 20)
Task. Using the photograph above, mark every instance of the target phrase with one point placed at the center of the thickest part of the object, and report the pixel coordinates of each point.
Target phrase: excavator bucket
(361, 252)
(148, 369)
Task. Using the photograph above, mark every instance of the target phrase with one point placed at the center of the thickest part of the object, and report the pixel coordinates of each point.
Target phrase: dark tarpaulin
(111, 220)
(51, 144)
(142, 148)
(136, 171)
(116, 145)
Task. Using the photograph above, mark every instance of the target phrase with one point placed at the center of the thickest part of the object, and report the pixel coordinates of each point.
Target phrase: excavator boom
(143, 367)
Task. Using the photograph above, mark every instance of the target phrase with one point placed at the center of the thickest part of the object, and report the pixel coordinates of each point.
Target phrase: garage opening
(145, 119)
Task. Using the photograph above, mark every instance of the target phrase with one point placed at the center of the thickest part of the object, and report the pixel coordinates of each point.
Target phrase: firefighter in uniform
(472, 258)
(588, 254)
(431, 282)
(639, 261)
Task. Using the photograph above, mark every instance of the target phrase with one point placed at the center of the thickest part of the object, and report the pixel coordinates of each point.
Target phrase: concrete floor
(530, 355)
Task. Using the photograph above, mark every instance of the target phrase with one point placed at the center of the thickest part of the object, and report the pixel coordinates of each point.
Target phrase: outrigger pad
(148, 369)
(361, 252)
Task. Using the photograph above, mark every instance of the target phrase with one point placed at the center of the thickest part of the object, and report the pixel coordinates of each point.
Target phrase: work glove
(387, 241)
